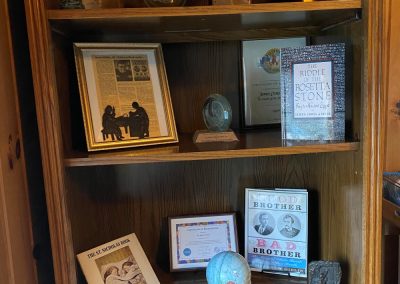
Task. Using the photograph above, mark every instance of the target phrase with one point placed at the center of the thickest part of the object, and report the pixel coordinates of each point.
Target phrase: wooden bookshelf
(254, 144)
(93, 198)
(204, 23)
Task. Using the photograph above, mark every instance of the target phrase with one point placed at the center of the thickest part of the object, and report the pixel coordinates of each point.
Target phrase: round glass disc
(217, 113)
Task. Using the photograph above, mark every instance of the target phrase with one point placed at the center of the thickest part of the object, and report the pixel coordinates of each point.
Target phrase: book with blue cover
(313, 92)
(276, 230)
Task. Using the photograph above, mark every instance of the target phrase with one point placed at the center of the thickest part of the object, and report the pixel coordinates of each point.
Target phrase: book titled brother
(313, 92)
(277, 230)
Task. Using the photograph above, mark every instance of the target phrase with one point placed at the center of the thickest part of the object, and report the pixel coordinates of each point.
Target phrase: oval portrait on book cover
(264, 223)
(289, 225)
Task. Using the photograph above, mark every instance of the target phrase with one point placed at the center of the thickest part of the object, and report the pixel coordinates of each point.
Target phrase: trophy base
(204, 136)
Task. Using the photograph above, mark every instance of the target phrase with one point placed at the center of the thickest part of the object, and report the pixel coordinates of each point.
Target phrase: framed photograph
(120, 261)
(276, 230)
(261, 101)
(124, 95)
(195, 240)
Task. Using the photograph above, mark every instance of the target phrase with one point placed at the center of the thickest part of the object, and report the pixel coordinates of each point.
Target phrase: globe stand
(204, 136)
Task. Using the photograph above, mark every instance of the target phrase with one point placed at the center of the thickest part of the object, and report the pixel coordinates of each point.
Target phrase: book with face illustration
(119, 261)
(276, 230)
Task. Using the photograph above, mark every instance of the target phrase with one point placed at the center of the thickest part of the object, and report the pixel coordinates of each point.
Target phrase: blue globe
(228, 267)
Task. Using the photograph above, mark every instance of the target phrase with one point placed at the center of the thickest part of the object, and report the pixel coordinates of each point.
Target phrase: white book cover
(121, 261)
(261, 79)
(276, 230)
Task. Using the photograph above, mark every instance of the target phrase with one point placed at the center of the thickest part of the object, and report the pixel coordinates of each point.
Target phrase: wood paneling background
(392, 160)
(118, 200)
(16, 244)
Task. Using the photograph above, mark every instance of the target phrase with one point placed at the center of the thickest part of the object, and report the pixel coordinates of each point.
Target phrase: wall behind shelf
(118, 200)
(194, 71)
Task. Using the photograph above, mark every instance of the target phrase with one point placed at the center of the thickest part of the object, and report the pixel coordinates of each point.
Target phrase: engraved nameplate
(204, 136)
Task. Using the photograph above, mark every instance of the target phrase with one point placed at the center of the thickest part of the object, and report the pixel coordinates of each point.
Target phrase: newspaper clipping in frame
(277, 230)
(122, 80)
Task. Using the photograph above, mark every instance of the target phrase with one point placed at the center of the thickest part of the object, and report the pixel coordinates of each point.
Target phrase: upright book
(120, 261)
(276, 230)
(313, 92)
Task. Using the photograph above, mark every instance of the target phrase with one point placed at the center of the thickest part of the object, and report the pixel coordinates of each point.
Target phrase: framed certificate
(261, 101)
(195, 240)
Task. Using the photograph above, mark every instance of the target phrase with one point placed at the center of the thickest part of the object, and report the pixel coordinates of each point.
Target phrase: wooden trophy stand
(204, 136)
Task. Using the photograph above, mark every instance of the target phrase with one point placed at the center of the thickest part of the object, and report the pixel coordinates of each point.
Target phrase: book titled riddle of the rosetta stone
(313, 92)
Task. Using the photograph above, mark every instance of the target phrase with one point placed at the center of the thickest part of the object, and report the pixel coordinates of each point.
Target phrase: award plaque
(217, 116)
(261, 102)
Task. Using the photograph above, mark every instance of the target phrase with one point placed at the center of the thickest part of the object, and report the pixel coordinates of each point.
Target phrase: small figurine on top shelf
(71, 4)
(164, 3)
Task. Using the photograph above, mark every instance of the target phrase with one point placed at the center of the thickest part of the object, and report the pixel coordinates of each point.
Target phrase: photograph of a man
(288, 228)
(123, 70)
(264, 227)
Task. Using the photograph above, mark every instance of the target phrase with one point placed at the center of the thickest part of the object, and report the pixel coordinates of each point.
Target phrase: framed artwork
(124, 95)
(195, 240)
(119, 261)
(261, 100)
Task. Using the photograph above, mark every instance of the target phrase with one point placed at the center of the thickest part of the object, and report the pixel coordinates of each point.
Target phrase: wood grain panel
(141, 4)
(392, 160)
(70, 111)
(16, 241)
(118, 200)
(47, 108)
(391, 212)
(158, 24)
(6, 266)
(390, 259)
(197, 70)
(249, 145)
(62, 61)
(52, 4)
(202, 10)
(373, 123)
(199, 278)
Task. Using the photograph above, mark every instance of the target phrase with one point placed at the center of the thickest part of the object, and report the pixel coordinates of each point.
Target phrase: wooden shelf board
(120, 13)
(391, 212)
(202, 22)
(251, 144)
(198, 277)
